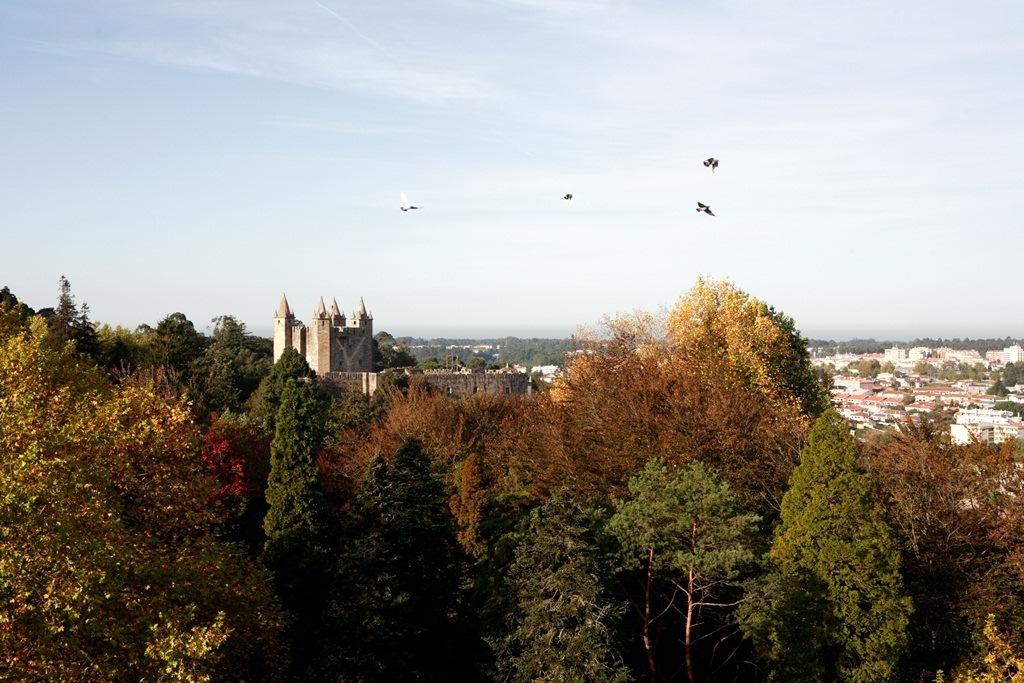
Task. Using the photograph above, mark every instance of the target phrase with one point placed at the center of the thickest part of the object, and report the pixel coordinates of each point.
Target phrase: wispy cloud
(340, 127)
(355, 29)
(277, 43)
(312, 65)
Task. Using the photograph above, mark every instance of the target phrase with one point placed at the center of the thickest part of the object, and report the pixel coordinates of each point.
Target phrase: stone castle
(340, 351)
(330, 343)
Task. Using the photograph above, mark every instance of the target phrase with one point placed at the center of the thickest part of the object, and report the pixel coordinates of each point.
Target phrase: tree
(635, 392)
(561, 623)
(175, 343)
(108, 556)
(8, 297)
(866, 368)
(295, 549)
(431, 364)
(231, 367)
(267, 400)
(1012, 406)
(957, 513)
(236, 453)
(1000, 663)
(1013, 374)
(997, 389)
(836, 610)
(395, 608)
(682, 526)
(715, 318)
(70, 323)
(801, 377)
(926, 369)
(390, 353)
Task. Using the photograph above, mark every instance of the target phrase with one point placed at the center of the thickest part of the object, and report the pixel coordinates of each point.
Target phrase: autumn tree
(957, 514)
(561, 625)
(236, 453)
(633, 393)
(682, 526)
(716, 320)
(835, 608)
(107, 551)
(1001, 661)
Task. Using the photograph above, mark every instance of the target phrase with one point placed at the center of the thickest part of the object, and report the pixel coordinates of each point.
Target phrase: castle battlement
(330, 342)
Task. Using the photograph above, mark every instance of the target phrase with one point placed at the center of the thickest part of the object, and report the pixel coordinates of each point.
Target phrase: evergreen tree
(175, 343)
(561, 623)
(997, 389)
(231, 367)
(396, 601)
(267, 399)
(294, 525)
(799, 375)
(682, 527)
(70, 323)
(835, 608)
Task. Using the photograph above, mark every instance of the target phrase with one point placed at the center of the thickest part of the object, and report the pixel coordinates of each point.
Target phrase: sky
(205, 156)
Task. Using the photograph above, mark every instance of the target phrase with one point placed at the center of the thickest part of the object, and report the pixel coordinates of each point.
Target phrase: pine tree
(561, 623)
(683, 528)
(837, 609)
(295, 550)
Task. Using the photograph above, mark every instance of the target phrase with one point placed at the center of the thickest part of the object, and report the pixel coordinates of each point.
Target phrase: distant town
(982, 393)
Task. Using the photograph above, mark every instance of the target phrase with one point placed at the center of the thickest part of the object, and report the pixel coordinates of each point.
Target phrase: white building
(985, 425)
(918, 353)
(895, 354)
(1013, 354)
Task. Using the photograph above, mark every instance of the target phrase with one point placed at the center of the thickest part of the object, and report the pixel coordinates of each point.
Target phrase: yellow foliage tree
(1000, 664)
(107, 548)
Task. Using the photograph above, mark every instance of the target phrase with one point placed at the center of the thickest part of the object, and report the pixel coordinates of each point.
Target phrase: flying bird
(712, 163)
(568, 197)
(705, 208)
(406, 205)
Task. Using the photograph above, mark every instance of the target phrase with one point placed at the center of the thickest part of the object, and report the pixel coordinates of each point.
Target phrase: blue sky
(205, 156)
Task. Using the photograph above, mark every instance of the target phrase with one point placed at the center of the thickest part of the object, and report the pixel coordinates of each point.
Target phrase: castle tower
(362, 319)
(284, 320)
(318, 342)
(337, 317)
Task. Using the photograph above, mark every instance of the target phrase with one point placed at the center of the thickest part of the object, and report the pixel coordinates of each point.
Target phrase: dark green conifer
(561, 623)
(396, 600)
(267, 399)
(836, 609)
(295, 549)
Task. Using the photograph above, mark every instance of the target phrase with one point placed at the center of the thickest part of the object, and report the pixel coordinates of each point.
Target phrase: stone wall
(469, 383)
(366, 381)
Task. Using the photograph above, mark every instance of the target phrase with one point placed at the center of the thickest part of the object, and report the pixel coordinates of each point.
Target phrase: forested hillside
(682, 504)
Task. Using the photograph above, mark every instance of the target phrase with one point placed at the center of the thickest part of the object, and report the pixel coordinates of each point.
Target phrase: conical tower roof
(283, 309)
(335, 311)
(360, 309)
(321, 310)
